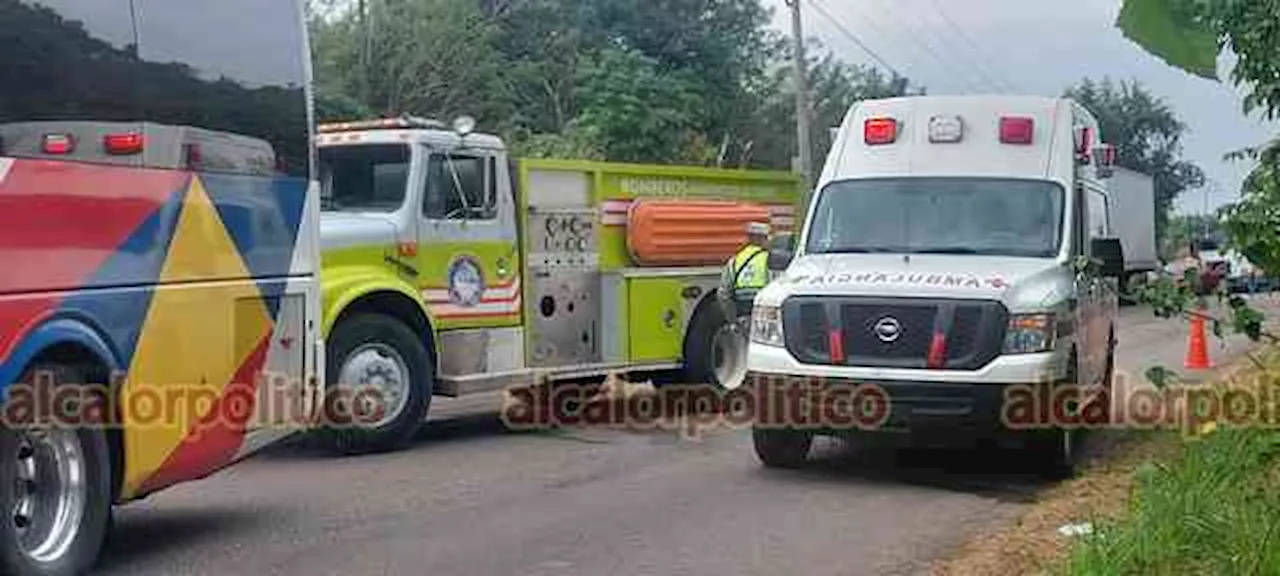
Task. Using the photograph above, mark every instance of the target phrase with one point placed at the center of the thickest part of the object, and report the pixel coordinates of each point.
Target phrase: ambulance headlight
(766, 325)
(1030, 334)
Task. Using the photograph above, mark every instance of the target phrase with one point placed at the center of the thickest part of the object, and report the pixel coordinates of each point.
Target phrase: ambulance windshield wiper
(859, 250)
(948, 250)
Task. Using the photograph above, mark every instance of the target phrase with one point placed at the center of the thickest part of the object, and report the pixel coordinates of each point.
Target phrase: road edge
(1034, 542)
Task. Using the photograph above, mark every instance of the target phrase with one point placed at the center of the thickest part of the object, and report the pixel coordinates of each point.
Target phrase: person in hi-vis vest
(748, 271)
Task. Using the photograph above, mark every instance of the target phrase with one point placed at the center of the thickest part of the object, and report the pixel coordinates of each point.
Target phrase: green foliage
(663, 81)
(1253, 222)
(337, 106)
(1184, 229)
(1251, 30)
(1147, 135)
(1168, 29)
(1179, 32)
(1215, 509)
(633, 110)
(427, 57)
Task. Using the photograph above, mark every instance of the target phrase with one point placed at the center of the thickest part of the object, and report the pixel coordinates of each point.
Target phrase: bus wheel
(55, 487)
(380, 381)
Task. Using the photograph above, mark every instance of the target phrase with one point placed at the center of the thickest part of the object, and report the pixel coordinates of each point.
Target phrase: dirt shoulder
(1101, 494)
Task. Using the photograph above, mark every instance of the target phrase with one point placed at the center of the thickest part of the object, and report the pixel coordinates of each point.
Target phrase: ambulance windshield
(986, 216)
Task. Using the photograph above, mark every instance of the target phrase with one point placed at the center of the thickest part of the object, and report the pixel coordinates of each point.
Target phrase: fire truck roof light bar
(399, 123)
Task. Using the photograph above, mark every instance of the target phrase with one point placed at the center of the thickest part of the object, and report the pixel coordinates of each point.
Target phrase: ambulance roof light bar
(1016, 130)
(1104, 160)
(406, 121)
(945, 129)
(880, 130)
(1084, 145)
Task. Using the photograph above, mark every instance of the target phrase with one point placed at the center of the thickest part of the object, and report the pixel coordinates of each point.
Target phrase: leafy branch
(1170, 298)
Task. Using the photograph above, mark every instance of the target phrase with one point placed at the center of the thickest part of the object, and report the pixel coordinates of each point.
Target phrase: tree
(1183, 230)
(1189, 34)
(665, 81)
(834, 87)
(434, 58)
(1147, 135)
(633, 111)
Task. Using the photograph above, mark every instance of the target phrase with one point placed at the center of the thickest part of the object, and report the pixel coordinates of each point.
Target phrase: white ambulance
(955, 247)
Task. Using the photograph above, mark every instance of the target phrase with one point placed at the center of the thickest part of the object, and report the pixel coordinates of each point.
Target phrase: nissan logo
(887, 329)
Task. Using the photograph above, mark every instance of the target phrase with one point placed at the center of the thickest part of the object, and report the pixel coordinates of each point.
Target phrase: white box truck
(938, 263)
(1132, 207)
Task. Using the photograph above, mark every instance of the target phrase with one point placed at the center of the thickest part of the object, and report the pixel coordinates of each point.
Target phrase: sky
(1037, 47)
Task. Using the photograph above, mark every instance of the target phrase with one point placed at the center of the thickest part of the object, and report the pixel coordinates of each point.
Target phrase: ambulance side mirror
(1109, 255)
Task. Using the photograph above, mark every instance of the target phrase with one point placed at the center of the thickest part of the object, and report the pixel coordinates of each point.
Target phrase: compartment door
(657, 319)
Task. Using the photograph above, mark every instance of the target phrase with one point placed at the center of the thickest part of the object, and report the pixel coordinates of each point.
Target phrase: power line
(918, 37)
(854, 38)
(965, 38)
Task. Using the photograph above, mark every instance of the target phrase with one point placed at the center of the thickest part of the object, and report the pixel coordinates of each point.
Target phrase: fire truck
(451, 269)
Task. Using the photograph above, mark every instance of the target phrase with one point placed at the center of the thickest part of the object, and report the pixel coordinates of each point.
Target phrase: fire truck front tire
(705, 353)
(55, 489)
(380, 381)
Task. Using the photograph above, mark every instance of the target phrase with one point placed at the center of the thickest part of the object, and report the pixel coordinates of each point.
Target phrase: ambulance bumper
(982, 402)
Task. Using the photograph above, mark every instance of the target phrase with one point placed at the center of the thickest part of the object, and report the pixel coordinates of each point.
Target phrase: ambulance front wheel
(380, 380)
(781, 447)
(55, 490)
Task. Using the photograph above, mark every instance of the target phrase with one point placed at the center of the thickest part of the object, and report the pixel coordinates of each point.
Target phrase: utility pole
(1205, 219)
(803, 141)
(364, 53)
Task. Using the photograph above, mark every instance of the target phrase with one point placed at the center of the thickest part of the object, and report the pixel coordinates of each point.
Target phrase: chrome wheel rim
(379, 369)
(728, 357)
(51, 492)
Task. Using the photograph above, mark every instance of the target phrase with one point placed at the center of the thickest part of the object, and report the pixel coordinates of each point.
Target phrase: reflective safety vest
(751, 268)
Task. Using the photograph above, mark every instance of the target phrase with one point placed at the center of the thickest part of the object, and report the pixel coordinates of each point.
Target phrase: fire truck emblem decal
(466, 282)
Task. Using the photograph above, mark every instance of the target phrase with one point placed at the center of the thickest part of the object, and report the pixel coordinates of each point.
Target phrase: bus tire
(65, 524)
(380, 382)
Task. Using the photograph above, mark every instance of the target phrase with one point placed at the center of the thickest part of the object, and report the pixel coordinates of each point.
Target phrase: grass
(1214, 508)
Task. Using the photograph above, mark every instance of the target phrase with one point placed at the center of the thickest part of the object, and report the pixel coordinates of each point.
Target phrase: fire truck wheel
(380, 381)
(781, 447)
(55, 487)
(700, 346)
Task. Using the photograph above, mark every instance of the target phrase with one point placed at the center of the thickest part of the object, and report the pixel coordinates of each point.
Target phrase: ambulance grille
(973, 329)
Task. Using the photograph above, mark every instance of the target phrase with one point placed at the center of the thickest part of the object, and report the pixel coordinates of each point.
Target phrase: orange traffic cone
(1197, 348)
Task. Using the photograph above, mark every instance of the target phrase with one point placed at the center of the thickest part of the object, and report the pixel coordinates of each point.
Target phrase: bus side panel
(186, 284)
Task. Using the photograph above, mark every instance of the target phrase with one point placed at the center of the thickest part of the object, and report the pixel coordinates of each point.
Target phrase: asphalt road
(472, 499)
